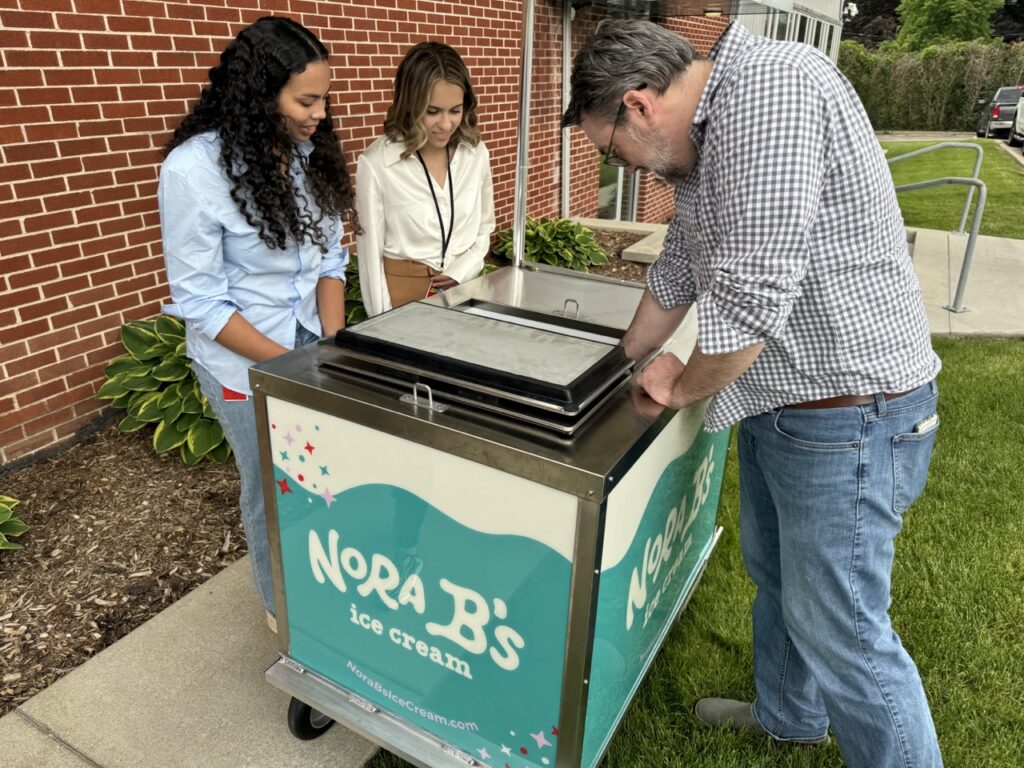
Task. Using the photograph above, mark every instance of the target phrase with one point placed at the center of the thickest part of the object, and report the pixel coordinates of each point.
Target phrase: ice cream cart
(479, 541)
(479, 535)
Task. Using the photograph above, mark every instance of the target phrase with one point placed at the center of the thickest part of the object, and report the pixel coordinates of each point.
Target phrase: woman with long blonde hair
(423, 190)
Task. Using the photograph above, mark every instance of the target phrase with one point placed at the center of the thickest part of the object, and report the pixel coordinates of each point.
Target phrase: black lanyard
(445, 239)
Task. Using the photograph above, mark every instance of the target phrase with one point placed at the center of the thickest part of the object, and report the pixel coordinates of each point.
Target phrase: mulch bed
(614, 243)
(118, 533)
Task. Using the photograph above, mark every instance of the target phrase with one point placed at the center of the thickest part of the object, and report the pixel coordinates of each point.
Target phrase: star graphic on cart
(328, 497)
(484, 755)
(309, 447)
(541, 739)
(506, 750)
(284, 486)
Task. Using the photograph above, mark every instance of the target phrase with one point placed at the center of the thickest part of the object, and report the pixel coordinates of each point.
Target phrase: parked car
(1017, 128)
(998, 114)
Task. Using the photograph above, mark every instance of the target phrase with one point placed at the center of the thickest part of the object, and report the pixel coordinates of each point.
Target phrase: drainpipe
(522, 147)
(567, 14)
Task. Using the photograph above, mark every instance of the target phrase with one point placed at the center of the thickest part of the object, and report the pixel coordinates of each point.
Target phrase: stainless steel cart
(472, 568)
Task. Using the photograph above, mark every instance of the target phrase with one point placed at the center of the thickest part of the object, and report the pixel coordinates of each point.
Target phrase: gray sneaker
(715, 713)
(718, 712)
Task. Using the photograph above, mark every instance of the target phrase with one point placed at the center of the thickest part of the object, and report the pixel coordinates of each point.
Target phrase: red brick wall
(92, 88)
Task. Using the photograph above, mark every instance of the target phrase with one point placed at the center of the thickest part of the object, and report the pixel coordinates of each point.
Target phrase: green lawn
(958, 598)
(940, 207)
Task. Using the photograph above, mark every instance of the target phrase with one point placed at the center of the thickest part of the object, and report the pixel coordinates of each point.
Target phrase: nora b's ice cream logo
(664, 552)
(471, 613)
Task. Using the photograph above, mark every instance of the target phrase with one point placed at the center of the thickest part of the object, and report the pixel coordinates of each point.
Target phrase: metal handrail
(978, 151)
(971, 184)
(972, 239)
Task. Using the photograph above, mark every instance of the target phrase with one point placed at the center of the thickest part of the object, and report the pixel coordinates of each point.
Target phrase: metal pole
(965, 268)
(566, 68)
(972, 239)
(970, 191)
(522, 148)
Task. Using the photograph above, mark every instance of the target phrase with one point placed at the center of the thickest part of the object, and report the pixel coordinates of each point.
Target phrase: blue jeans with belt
(238, 420)
(823, 492)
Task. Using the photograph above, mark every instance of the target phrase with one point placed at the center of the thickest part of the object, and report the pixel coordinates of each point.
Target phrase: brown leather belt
(845, 401)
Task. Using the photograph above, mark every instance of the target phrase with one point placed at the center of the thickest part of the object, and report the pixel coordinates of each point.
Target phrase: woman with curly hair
(424, 190)
(252, 195)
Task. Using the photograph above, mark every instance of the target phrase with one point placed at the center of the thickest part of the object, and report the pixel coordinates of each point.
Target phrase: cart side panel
(434, 587)
(659, 532)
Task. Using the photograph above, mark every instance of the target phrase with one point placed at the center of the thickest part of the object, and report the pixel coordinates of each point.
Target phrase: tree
(870, 22)
(929, 22)
(1008, 23)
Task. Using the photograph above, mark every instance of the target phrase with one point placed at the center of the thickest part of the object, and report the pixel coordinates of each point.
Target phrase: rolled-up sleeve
(335, 261)
(764, 166)
(670, 279)
(193, 253)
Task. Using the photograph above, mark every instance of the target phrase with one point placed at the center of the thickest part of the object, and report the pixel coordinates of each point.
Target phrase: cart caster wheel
(305, 722)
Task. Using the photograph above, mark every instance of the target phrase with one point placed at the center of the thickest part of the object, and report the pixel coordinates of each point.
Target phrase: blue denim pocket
(911, 453)
(833, 429)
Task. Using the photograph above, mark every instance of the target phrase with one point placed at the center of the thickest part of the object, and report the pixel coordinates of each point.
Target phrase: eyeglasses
(611, 157)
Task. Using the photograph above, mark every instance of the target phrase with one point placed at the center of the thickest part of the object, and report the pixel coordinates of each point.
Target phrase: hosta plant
(11, 525)
(155, 384)
(354, 310)
(558, 242)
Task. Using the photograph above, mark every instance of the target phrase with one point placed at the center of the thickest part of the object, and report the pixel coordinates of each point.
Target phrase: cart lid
(539, 362)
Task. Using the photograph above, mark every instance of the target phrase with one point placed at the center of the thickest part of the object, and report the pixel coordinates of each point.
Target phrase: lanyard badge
(446, 237)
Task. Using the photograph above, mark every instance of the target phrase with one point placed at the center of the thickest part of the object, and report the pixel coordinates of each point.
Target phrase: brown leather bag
(407, 280)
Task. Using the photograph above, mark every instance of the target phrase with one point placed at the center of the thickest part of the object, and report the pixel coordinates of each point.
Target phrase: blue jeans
(822, 497)
(238, 420)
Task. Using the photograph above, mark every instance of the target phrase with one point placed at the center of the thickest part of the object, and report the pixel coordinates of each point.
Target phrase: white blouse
(399, 220)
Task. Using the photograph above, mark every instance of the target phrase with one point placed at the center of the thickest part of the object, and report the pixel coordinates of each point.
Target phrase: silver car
(1016, 138)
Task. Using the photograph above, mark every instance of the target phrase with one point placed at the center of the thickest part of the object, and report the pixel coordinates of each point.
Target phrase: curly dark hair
(240, 104)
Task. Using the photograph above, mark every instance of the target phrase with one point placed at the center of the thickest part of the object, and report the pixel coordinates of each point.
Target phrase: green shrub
(355, 312)
(156, 385)
(558, 242)
(11, 525)
(934, 89)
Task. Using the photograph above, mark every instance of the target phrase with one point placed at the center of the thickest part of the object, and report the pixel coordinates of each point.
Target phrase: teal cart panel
(659, 532)
(433, 587)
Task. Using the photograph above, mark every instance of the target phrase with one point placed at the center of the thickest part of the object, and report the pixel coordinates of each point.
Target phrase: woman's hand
(442, 283)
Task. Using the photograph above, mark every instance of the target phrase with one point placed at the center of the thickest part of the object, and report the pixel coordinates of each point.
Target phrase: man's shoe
(715, 713)
(718, 712)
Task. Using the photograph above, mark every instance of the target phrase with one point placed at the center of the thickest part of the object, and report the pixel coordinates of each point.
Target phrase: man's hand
(659, 380)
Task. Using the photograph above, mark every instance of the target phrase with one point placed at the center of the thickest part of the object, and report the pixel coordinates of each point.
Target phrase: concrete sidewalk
(186, 689)
(994, 294)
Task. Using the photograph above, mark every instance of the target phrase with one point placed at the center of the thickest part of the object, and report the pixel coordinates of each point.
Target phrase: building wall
(814, 22)
(92, 88)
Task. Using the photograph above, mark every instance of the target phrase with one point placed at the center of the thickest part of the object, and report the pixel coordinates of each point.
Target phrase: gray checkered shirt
(788, 233)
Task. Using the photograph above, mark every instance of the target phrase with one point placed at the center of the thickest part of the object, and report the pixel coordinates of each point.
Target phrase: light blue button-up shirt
(217, 264)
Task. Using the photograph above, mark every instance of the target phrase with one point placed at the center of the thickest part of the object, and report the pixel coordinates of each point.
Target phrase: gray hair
(623, 55)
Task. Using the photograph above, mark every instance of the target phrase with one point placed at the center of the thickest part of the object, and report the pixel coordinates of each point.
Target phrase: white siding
(815, 22)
